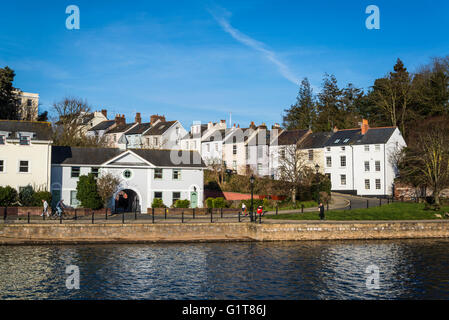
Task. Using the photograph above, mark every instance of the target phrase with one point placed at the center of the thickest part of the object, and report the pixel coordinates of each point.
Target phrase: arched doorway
(127, 200)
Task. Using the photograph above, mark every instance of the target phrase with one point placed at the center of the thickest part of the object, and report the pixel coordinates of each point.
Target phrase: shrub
(210, 202)
(182, 204)
(256, 203)
(26, 196)
(158, 203)
(219, 202)
(8, 196)
(41, 195)
(87, 194)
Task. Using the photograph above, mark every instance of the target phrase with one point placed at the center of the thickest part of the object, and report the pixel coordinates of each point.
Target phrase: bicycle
(55, 215)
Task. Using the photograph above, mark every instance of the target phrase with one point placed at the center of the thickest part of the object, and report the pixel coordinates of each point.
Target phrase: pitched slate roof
(82, 156)
(98, 156)
(41, 130)
(159, 128)
(315, 140)
(290, 137)
(217, 135)
(139, 129)
(163, 158)
(190, 134)
(355, 137)
(103, 125)
(121, 129)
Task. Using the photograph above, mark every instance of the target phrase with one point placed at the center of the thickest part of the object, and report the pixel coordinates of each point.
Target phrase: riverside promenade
(214, 226)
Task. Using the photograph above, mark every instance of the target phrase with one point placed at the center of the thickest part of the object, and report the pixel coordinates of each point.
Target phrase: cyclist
(60, 207)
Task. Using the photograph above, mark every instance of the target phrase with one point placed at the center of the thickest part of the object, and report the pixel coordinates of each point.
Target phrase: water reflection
(409, 269)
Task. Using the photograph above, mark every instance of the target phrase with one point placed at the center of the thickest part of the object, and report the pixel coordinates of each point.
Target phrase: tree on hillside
(68, 129)
(431, 89)
(425, 162)
(302, 114)
(329, 105)
(8, 101)
(351, 101)
(392, 95)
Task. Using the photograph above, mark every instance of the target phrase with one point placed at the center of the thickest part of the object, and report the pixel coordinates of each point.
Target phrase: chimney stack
(276, 126)
(210, 124)
(365, 126)
(252, 125)
(138, 118)
(156, 117)
(105, 113)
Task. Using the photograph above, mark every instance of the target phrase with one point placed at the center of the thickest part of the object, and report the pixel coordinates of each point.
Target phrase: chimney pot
(105, 113)
(365, 126)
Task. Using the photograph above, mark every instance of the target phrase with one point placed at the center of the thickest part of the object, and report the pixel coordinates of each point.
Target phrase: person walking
(45, 210)
(260, 210)
(244, 209)
(321, 209)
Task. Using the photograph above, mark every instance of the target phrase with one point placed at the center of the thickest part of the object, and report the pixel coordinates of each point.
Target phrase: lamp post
(251, 181)
(317, 180)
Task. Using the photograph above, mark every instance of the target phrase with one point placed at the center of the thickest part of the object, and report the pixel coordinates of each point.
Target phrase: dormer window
(346, 140)
(337, 141)
(25, 140)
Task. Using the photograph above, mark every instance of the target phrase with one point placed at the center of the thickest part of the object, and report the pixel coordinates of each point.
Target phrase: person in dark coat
(321, 209)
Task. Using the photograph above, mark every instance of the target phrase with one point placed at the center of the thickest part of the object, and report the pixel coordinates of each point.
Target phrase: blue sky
(201, 60)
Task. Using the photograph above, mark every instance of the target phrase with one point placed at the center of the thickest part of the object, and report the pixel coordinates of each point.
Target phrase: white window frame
(28, 166)
(366, 148)
(3, 166)
(367, 168)
(380, 185)
(341, 179)
(341, 158)
(162, 174)
(375, 165)
(329, 162)
(179, 174)
(367, 184)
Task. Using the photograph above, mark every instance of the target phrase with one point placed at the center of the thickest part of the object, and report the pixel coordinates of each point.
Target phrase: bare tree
(71, 115)
(292, 168)
(216, 165)
(107, 185)
(426, 160)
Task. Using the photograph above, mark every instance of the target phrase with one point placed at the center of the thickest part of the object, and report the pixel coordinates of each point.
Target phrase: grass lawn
(307, 204)
(393, 211)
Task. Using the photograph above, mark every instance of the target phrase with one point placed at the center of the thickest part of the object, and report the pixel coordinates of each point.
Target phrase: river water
(408, 269)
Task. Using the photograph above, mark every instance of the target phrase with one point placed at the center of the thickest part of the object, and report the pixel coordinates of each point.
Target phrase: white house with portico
(145, 174)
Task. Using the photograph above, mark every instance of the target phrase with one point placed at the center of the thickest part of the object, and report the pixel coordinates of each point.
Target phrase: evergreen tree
(329, 105)
(8, 101)
(302, 114)
(86, 192)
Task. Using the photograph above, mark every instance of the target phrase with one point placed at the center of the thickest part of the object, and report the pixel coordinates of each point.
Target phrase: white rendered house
(25, 154)
(145, 174)
(361, 161)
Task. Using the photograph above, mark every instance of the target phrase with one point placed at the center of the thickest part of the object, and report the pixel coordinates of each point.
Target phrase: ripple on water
(409, 269)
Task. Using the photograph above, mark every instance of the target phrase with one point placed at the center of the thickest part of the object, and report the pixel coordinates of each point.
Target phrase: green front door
(193, 199)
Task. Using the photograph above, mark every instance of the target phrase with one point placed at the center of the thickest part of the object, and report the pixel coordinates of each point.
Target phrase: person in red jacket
(260, 210)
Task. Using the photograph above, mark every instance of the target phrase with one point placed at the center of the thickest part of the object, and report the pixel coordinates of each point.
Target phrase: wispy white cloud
(283, 69)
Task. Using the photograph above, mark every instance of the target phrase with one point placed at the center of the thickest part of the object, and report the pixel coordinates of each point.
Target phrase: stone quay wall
(202, 232)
